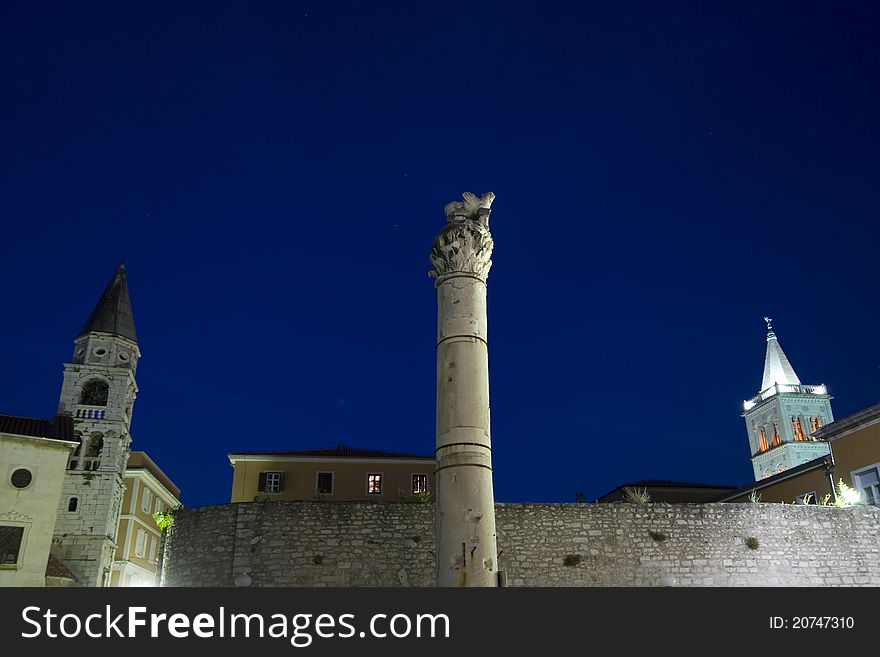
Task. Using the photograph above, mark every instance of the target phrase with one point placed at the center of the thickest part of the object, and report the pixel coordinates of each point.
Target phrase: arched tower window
(798, 428)
(93, 452)
(762, 440)
(94, 393)
(815, 423)
(776, 439)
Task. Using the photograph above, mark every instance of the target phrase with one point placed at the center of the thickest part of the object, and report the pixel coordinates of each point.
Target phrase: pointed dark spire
(112, 314)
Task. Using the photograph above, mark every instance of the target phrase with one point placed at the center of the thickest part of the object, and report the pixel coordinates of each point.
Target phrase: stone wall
(370, 544)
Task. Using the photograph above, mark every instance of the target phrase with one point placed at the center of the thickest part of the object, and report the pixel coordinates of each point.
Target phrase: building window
(776, 439)
(72, 503)
(140, 548)
(325, 483)
(762, 440)
(374, 484)
(10, 544)
(867, 482)
(146, 500)
(815, 423)
(419, 483)
(94, 393)
(798, 428)
(807, 498)
(153, 549)
(271, 482)
(21, 478)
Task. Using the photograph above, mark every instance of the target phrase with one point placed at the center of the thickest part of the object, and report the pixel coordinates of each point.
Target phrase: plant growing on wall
(164, 519)
(752, 543)
(657, 536)
(754, 497)
(572, 560)
(846, 496)
(636, 495)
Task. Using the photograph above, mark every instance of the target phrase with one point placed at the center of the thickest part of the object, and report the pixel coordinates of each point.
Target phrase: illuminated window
(10, 544)
(271, 482)
(776, 439)
(815, 423)
(419, 483)
(140, 548)
(798, 428)
(325, 483)
(374, 484)
(762, 440)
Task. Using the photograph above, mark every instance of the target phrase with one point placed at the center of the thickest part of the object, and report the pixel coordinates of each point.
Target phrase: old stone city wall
(379, 544)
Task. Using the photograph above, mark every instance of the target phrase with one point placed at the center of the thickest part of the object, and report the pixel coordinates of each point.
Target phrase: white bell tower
(782, 417)
(98, 391)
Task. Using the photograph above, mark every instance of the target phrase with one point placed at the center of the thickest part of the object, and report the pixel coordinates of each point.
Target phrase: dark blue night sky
(273, 175)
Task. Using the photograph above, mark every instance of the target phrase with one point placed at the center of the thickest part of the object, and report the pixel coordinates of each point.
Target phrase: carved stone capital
(463, 246)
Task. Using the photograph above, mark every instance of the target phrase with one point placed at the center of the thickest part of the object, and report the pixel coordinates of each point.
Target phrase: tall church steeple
(777, 369)
(112, 314)
(98, 391)
(782, 417)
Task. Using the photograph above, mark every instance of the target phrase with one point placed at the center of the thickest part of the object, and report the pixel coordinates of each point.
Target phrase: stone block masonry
(378, 544)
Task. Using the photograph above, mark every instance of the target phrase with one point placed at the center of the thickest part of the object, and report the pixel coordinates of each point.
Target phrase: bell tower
(782, 417)
(98, 391)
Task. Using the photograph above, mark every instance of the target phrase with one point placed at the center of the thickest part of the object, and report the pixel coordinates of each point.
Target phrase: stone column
(465, 502)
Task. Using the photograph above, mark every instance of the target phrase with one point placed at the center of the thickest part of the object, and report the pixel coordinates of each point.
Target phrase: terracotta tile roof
(340, 452)
(54, 568)
(60, 427)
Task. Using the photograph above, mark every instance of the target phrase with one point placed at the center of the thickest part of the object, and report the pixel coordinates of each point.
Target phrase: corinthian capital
(463, 246)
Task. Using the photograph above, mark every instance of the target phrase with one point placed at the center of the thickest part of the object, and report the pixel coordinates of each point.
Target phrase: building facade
(33, 458)
(148, 490)
(783, 417)
(338, 474)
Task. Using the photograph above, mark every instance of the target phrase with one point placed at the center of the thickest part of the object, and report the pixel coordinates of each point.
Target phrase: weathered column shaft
(465, 502)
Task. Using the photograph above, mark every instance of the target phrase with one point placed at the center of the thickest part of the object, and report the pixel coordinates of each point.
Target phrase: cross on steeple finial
(769, 321)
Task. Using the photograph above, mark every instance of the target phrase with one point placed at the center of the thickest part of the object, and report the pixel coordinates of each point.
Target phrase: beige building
(147, 491)
(33, 458)
(854, 458)
(338, 474)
